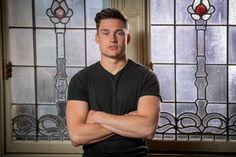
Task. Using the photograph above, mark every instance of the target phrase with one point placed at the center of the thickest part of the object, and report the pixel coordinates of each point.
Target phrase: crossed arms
(88, 126)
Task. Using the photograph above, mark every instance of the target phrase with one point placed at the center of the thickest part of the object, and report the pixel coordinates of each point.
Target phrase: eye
(120, 33)
(105, 33)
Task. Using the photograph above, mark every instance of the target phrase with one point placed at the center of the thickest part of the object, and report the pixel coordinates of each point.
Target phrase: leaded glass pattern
(193, 52)
(49, 42)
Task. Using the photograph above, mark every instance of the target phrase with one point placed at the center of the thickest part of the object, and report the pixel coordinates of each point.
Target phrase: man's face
(112, 37)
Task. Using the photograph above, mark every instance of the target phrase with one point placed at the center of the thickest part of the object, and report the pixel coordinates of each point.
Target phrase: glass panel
(41, 18)
(232, 12)
(93, 51)
(186, 45)
(217, 108)
(22, 88)
(216, 45)
(47, 93)
(92, 7)
(162, 44)
(46, 49)
(77, 19)
(232, 84)
(71, 72)
(232, 45)
(232, 121)
(165, 75)
(20, 13)
(220, 14)
(162, 11)
(182, 15)
(185, 78)
(23, 122)
(216, 89)
(75, 48)
(21, 46)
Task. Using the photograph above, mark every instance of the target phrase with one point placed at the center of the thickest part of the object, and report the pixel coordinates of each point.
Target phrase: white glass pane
(232, 45)
(162, 11)
(217, 108)
(182, 15)
(232, 84)
(22, 87)
(47, 93)
(165, 75)
(220, 14)
(93, 52)
(75, 48)
(232, 12)
(21, 46)
(216, 45)
(186, 107)
(185, 79)
(20, 13)
(186, 44)
(217, 82)
(162, 44)
(46, 49)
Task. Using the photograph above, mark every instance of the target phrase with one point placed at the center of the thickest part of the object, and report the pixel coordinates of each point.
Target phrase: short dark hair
(110, 13)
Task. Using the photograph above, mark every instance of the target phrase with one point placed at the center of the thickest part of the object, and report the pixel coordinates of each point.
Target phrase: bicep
(76, 114)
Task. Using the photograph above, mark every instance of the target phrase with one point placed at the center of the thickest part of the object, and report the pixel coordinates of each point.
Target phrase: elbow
(75, 141)
(149, 133)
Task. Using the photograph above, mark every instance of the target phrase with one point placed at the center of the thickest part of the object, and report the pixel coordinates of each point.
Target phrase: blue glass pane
(185, 78)
(217, 83)
(220, 14)
(186, 44)
(182, 15)
(162, 11)
(166, 78)
(162, 44)
(232, 45)
(216, 45)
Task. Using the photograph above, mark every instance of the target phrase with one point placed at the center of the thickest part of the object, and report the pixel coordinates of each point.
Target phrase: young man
(114, 104)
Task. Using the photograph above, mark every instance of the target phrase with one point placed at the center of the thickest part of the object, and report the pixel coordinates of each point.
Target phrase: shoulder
(86, 71)
(140, 69)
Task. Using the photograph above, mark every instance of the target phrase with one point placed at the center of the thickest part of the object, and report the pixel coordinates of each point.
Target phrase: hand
(91, 117)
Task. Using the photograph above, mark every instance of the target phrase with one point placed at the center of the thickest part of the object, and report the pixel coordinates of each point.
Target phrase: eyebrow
(107, 30)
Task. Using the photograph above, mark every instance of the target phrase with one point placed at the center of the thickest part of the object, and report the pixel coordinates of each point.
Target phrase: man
(114, 104)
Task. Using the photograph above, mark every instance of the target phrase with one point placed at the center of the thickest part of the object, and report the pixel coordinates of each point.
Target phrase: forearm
(88, 134)
(135, 126)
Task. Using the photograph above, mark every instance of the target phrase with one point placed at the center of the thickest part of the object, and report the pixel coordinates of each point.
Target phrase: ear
(97, 38)
(128, 38)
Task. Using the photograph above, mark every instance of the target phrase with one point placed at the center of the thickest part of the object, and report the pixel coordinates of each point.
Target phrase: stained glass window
(49, 41)
(194, 55)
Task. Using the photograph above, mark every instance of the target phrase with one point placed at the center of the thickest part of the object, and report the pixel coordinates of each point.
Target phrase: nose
(113, 38)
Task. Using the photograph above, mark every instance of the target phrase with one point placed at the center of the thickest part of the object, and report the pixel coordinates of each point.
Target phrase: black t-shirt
(116, 94)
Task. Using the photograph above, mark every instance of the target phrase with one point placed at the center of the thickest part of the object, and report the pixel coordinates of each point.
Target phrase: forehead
(111, 24)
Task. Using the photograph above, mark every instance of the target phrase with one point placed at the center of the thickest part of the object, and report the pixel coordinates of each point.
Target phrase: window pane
(232, 84)
(186, 89)
(162, 11)
(182, 15)
(232, 45)
(216, 45)
(92, 7)
(77, 19)
(165, 75)
(216, 89)
(23, 85)
(75, 48)
(41, 18)
(46, 85)
(46, 49)
(232, 12)
(92, 48)
(186, 44)
(20, 13)
(162, 44)
(220, 14)
(21, 46)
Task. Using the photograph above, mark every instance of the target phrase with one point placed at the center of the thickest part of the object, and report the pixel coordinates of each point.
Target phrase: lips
(113, 47)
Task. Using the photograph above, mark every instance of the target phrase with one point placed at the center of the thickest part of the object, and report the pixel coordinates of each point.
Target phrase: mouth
(113, 47)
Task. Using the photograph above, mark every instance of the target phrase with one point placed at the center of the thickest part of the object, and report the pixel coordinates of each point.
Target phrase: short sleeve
(77, 88)
(151, 85)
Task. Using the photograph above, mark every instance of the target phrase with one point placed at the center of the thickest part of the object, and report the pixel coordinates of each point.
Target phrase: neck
(114, 65)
